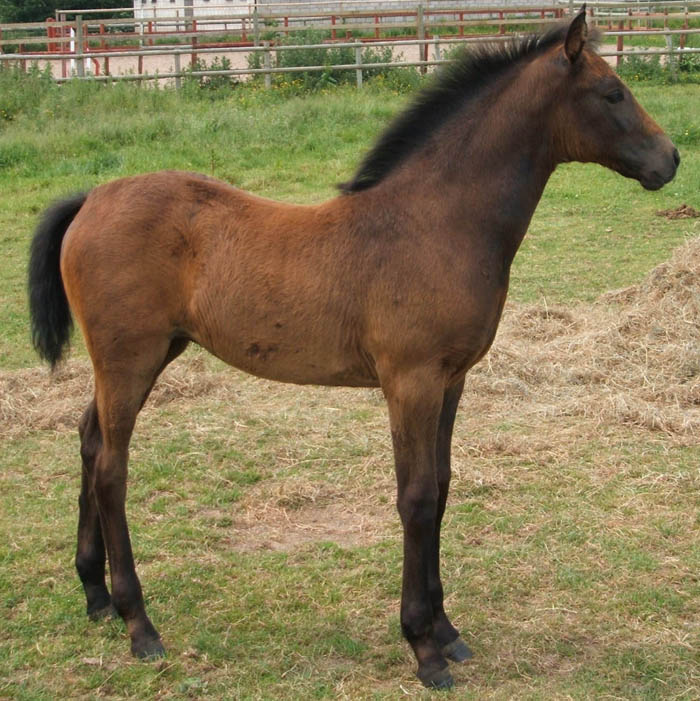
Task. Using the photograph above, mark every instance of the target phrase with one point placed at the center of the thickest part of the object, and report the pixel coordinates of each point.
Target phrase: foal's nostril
(676, 157)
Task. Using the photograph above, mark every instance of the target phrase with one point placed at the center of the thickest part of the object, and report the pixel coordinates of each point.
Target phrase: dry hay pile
(37, 399)
(631, 358)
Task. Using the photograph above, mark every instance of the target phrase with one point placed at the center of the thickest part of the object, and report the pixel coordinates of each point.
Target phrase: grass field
(262, 515)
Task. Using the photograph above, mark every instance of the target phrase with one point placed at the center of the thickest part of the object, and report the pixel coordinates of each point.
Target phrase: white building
(175, 9)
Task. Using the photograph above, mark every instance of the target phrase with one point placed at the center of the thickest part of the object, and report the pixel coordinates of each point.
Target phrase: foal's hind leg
(446, 635)
(90, 555)
(121, 388)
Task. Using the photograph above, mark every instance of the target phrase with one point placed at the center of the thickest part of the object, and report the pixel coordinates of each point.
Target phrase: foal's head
(599, 120)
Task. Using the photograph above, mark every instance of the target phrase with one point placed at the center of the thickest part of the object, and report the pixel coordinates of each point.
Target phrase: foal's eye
(615, 96)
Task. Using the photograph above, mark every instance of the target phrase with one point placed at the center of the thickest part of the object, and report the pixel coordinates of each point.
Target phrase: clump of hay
(631, 358)
(36, 399)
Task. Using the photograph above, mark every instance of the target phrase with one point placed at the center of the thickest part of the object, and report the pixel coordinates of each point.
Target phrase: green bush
(685, 68)
(215, 84)
(328, 57)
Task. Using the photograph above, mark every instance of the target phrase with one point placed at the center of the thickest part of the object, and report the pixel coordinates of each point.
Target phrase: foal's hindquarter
(399, 285)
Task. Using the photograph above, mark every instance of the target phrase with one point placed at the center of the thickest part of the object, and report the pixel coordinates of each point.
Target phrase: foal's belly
(306, 361)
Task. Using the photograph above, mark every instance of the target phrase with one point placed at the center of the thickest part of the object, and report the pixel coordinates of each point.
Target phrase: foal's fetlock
(99, 603)
(433, 670)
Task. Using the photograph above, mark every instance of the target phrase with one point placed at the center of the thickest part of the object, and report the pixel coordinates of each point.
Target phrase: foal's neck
(483, 174)
(506, 160)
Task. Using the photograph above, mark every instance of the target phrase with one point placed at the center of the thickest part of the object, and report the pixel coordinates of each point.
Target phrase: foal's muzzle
(660, 169)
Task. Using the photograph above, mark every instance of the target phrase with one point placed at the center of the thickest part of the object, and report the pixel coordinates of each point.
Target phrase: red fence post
(193, 58)
(333, 34)
(51, 34)
(681, 41)
(620, 43)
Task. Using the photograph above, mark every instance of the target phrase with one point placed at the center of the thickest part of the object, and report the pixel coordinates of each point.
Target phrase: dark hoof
(148, 650)
(436, 678)
(457, 651)
(107, 611)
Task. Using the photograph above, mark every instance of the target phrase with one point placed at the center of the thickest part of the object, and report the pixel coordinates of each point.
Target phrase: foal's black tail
(48, 305)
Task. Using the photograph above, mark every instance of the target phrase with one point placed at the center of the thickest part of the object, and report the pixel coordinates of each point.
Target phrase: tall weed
(22, 92)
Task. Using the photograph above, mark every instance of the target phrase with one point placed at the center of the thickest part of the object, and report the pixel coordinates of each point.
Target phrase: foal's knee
(418, 509)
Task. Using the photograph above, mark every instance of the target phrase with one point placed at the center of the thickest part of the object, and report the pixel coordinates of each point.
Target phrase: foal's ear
(576, 36)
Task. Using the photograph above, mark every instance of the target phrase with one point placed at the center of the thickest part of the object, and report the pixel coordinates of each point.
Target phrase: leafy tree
(39, 10)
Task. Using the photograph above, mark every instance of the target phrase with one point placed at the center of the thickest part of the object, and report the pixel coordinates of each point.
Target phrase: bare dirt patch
(277, 528)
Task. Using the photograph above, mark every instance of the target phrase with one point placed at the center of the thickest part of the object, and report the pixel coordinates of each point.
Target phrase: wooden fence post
(420, 32)
(178, 80)
(358, 62)
(63, 47)
(671, 60)
(436, 47)
(79, 65)
(256, 27)
(267, 62)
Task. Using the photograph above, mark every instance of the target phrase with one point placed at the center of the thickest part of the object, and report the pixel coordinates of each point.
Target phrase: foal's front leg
(446, 635)
(415, 402)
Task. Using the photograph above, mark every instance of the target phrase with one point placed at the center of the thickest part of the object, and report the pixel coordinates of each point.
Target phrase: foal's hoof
(107, 611)
(457, 651)
(436, 678)
(149, 649)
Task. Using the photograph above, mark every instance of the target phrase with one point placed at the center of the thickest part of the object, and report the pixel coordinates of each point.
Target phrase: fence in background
(84, 44)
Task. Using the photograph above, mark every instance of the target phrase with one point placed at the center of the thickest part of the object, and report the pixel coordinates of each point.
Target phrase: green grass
(572, 571)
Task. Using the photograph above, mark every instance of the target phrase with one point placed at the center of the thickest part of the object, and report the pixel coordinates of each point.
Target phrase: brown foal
(398, 282)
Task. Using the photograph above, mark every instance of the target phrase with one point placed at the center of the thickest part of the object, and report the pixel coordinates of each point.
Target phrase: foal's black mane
(455, 84)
